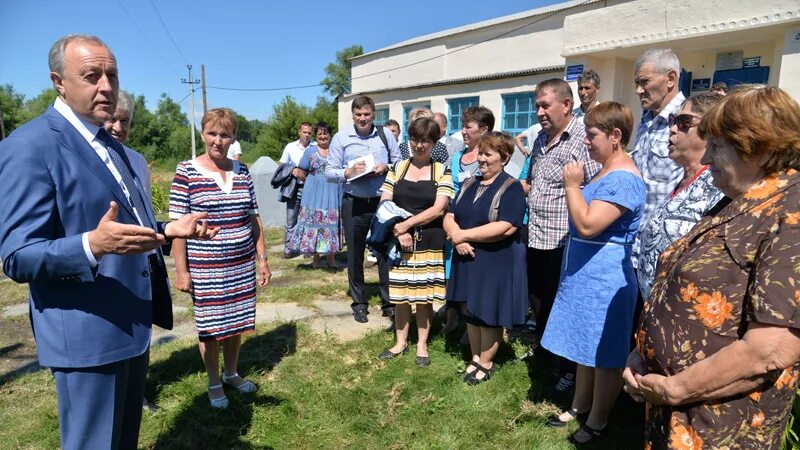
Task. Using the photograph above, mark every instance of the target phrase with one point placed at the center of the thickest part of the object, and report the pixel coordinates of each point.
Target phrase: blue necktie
(120, 161)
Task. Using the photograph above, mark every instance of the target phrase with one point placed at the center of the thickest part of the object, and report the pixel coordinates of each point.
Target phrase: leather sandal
(245, 387)
(554, 422)
(473, 380)
(595, 435)
(469, 374)
(218, 402)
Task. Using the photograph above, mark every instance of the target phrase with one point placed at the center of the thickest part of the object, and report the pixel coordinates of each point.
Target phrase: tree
(326, 111)
(13, 105)
(337, 79)
(281, 128)
(37, 105)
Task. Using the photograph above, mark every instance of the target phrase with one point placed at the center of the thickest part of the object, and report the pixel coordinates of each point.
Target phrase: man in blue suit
(75, 226)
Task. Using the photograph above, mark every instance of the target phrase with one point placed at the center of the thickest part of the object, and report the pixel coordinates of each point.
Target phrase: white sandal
(219, 402)
(246, 387)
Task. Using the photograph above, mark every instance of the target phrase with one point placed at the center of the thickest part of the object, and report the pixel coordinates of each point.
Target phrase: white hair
(126, 103)
(662, 59)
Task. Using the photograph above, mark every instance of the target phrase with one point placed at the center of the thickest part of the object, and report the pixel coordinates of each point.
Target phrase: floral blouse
(676, 215)
(736, 268)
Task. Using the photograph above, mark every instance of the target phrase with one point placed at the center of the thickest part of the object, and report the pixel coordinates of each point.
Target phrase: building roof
(473, 79)
(484, 24)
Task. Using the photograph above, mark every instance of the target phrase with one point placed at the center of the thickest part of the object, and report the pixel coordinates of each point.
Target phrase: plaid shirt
(651, 156)
(547, 202)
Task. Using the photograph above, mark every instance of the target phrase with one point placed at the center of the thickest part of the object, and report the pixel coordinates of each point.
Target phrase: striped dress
(222, 269)
(420, 276)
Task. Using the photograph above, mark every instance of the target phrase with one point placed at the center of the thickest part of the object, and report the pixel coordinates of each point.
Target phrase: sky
(242, 43)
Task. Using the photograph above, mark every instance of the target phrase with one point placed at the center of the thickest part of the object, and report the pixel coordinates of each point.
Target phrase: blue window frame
(456, 107)
(381, 116)
(407, 109)
(519, 113)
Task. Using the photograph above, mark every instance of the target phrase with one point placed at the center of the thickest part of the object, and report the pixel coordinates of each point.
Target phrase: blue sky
(243, 43)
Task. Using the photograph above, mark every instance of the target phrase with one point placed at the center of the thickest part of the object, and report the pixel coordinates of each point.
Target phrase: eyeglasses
(684, 122)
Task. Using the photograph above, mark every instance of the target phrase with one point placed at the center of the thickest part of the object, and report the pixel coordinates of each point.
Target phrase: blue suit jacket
(55, 188)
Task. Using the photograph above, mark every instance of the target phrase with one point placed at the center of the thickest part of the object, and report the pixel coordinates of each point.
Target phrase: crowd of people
(683, 234)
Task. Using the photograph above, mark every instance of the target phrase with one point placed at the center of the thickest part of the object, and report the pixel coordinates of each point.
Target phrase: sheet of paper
(369, 162)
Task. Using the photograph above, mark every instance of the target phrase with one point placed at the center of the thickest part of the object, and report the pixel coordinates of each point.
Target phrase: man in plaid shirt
(560, 141)
(656, 77)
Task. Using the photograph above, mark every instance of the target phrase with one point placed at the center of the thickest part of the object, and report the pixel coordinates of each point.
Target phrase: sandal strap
(216, 386)
(594, 432)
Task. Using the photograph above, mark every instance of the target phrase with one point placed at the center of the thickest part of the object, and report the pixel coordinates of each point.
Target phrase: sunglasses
(684, 122)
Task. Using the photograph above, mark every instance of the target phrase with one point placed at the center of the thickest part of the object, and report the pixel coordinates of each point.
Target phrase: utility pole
(203, 87)
(191, 83)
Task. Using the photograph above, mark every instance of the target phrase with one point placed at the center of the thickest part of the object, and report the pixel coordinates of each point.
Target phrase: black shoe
(423, 361)
(390, 328)
(555, 422)
(387, 354)
(360, 316)
(595, 435)
(472, 380)
(388, 313)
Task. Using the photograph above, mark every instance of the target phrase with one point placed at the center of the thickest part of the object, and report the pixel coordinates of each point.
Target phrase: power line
(167, 30)
(546, 16)
(145, 36)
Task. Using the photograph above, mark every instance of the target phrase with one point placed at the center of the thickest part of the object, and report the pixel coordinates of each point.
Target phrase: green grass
(318, 393)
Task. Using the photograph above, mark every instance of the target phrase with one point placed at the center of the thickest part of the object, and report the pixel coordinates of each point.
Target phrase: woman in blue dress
(488, 271)
(319, 230)
(593, 311)
(475, 122)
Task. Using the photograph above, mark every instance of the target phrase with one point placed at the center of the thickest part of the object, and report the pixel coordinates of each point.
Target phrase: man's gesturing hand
(191, 226)
(111, 237)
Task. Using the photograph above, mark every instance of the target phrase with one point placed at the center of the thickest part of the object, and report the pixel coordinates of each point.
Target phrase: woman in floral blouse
(690, 200)
(719, 345)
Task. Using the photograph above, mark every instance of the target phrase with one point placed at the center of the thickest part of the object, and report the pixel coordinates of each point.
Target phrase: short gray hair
(662, 59)
(589, 75)
(56, 56)
(126, 103)
(418, 113)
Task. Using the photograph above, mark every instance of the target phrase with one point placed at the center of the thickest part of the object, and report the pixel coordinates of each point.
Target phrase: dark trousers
(544, 273)
(101, 407)
(292, 211)
(357, 215)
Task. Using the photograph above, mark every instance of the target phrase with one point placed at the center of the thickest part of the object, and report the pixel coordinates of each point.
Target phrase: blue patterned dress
(223, 268)
(318, 229)
(592, 315)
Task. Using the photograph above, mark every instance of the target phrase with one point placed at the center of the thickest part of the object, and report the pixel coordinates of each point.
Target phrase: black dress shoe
(555, 422)
(360, 316)
(387, 354)
(423, 361)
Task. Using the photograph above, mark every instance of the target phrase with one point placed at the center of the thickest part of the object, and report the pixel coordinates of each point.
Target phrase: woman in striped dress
(422, 187)
(219, 273)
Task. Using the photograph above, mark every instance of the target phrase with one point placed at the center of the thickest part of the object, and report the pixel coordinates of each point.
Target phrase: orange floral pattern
(733, 269)
(685, 438)
(713, 309)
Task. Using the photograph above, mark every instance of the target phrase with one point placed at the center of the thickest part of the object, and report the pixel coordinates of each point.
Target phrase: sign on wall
(729, 60)
(701, 84)
(573, 72)
(753, 61)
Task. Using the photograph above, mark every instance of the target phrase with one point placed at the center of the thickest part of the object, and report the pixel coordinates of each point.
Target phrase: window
(381, 116)
(519, 113)
(407, 109)
(456, 107)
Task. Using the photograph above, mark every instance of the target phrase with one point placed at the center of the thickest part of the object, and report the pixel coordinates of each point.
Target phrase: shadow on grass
(198, 426)
(625, 422)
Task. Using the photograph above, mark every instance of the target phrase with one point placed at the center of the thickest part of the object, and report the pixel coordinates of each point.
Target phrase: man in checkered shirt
(656, 76)
(560, 141)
